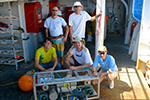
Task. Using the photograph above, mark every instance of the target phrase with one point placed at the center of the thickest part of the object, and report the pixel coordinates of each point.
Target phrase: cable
(82, 87)
(9, 83)
(63, 81)
(31, 74)
(61, 78)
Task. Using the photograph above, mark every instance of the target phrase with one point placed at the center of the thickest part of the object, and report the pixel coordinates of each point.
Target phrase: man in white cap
(108, 67)
(78, 56)
(77, 21)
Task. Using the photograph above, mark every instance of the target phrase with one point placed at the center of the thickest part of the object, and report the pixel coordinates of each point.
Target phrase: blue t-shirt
(107, 65)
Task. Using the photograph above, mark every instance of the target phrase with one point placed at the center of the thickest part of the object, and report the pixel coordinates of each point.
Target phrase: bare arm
(66, 34)
(36, 63)
(55, 64)
(69, 54)
(96, 16)
(94, 71)
(46, 32)
(80, 67)
(71, 37)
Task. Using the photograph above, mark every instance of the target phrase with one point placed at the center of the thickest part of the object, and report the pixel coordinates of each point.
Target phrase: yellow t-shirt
(45, 57)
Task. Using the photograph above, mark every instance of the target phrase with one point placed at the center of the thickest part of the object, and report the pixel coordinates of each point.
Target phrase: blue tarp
(137, 9)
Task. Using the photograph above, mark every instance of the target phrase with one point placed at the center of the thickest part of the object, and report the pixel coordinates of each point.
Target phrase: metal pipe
(126, 6)
(11, 27)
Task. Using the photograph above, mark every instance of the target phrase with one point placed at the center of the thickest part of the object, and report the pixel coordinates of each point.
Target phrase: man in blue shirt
(108, 67)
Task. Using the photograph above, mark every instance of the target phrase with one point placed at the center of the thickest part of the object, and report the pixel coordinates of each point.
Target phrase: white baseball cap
(77, 3)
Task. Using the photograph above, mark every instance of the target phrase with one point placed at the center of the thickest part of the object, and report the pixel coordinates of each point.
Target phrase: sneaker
(63, 67)
(111, 86)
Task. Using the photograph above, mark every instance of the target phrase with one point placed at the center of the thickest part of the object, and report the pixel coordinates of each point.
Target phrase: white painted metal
(11, 27)
(128, 28)
(133, 47)
(29, 45)
(99, 37)
(45, 8)
(144, 42)
(11, 0)
(135, 51)
(22, 16)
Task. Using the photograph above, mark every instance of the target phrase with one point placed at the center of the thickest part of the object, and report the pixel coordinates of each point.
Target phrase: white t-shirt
(55, 26)
(82, 57)
(78, 23)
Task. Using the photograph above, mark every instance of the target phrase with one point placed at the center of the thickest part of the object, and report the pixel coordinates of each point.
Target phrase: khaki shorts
(115, 73)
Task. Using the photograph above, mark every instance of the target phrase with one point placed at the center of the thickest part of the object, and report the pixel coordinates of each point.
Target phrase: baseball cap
(102, 48)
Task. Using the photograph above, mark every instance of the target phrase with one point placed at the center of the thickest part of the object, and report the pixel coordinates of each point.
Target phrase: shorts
(115, 73)
(59, 46)
(75, 62)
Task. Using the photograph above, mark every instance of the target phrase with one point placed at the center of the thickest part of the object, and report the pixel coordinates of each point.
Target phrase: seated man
(78, 56)
(108, 66)
(46, 58)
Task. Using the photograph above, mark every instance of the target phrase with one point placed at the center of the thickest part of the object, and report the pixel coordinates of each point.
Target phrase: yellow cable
(9, 83)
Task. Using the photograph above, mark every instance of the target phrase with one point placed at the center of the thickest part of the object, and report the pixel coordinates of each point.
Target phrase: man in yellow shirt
(46, 58)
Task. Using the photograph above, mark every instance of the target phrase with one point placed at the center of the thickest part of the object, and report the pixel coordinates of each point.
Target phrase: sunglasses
(77, 6)
(101, 53)
(54, 10)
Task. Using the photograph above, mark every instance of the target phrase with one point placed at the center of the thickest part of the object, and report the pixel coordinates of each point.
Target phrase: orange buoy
(25, 83)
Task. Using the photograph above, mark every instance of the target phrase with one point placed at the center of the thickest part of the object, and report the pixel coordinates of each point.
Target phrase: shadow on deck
(129, 85)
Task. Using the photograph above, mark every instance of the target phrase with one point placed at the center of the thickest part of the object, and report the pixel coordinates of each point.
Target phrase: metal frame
(12, 34)
(12, 0)
(53, 80)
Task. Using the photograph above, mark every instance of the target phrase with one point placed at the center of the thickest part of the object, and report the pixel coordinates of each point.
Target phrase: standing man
(77, 21)
(45, 55)
(54, 24)
(108, 67)
(79, 56)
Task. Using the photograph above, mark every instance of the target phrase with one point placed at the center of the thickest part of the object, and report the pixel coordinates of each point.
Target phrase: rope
(17, 81)
(9, 83)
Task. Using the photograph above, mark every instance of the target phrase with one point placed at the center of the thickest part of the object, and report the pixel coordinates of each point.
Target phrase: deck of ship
(129, 84)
